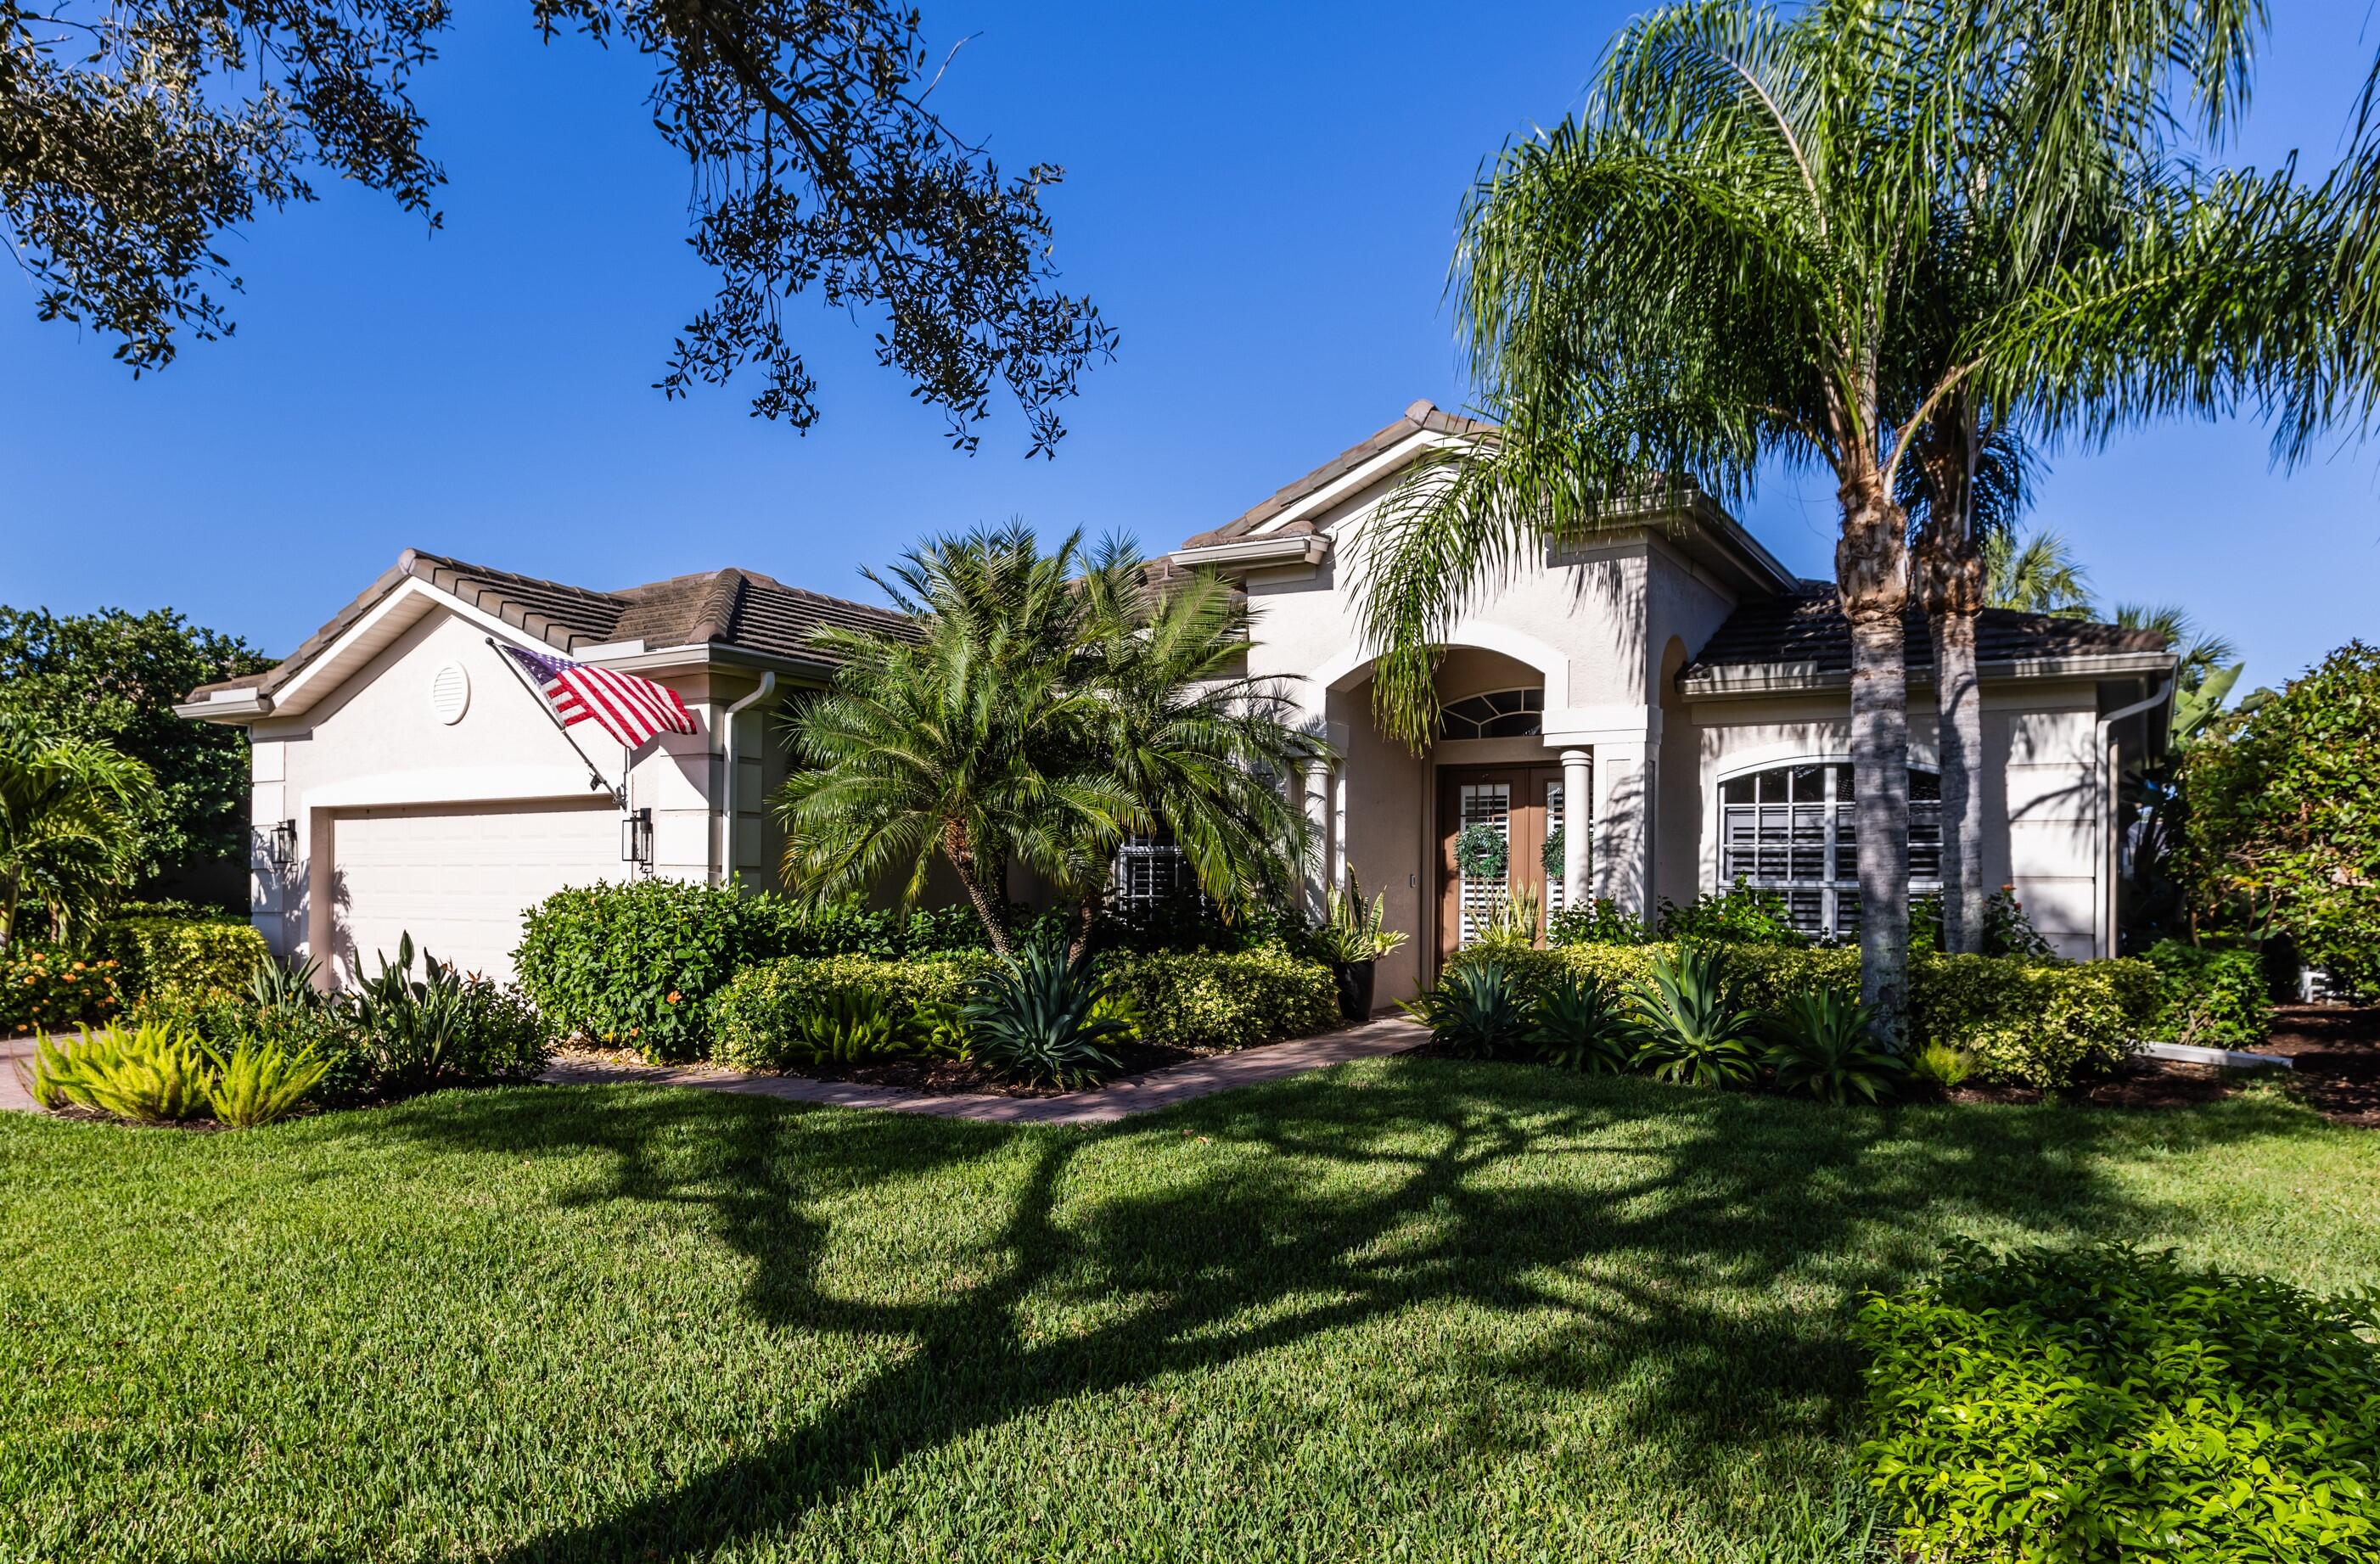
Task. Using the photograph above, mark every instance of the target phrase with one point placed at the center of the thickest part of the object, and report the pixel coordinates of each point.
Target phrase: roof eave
(1788, 678)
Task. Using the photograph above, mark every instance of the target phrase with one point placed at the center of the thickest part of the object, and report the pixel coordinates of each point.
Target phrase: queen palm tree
(68, 832)
(1044, 706)
(1711, 269)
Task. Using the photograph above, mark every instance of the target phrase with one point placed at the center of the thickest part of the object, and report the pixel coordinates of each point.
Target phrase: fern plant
(1941, 1068)
(848, 1028)
(1689, 1023)
(259, 1081)
(1038, 1019)
(1821, 1045)
(1576, 1025)
(1477, 1010)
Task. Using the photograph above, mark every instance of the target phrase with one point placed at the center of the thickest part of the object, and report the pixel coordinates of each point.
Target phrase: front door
(1520, 806)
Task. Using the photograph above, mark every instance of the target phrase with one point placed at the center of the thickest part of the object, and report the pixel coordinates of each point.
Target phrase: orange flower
(674, 996)
(78, 966)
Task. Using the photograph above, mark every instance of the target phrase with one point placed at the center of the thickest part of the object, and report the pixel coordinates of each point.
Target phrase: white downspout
(2109, 850)
(727, 781)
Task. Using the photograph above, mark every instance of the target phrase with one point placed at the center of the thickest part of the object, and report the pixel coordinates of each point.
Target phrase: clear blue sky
(1261, 198)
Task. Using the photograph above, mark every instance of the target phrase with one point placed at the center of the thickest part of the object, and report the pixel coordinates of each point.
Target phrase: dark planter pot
(1354, 989)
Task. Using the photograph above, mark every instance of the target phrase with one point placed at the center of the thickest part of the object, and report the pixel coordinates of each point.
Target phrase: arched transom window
(1498, 714)
(1790, 829)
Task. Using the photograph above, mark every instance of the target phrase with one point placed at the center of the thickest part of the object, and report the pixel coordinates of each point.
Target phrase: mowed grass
(1408, 1309)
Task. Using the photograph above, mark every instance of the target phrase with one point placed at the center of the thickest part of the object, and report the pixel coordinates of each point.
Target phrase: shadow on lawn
(1704, 1263)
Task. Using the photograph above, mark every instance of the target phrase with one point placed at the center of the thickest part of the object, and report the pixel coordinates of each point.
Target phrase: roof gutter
(227, 708)
(1783, 678)
(1303, 548)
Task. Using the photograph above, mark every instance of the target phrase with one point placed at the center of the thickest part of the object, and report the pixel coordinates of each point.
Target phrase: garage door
(459, 879)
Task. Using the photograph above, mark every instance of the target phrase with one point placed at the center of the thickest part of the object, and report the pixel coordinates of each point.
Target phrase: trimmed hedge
(2075, 1405)
(172, 959)
(2213, 997)
(1227, 1000)
(758, 1017)
(636, 964)
(2043, 1024)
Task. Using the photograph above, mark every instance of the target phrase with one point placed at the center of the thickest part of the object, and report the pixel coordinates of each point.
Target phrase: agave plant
(259, 1081)
(1689, 1023)
(1477, 1010)
(1576, 1025)
(1038, 1019)
(1821, 1044)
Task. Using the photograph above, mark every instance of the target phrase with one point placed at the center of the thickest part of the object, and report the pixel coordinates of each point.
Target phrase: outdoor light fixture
(281, 844)
(637, 838)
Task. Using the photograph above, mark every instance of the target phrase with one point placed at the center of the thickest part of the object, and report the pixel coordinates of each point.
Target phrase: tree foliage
(1047, 706)
(67, 808)
(135, 133)
(2284, 821)
(112, 678)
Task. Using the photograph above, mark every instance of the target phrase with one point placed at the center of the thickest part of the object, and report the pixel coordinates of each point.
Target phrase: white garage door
(459, 879)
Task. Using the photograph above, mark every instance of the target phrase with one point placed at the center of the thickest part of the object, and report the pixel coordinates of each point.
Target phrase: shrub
(765, 1018)
(1479, 1011)
(1226, 999)
(1601, 922)
(1821, 1046)
(1036, 1019)
(2102, 1403)
(444, 1027)
(2035, 1023)
(149, 1074)
(1576, 1025)
(1690, 1020)
(1737, 915)
(49, 989)
(2212, 996)
(636, 964)
(175, 958)
(259, 1082)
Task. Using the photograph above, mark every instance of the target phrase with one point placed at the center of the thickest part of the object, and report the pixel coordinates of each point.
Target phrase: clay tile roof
(741, 609)
(1423, 415)
(1808, 629)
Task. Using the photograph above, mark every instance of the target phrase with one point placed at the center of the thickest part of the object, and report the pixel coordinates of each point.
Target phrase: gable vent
(449, 693)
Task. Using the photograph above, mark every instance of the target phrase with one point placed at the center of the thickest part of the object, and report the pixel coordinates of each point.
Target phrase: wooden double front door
(1523, 804)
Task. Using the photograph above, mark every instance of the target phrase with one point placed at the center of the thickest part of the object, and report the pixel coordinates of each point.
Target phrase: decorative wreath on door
(1552, 857)
(1481, 852)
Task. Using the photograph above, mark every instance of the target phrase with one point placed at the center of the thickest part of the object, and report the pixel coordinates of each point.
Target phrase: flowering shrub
(43, 989)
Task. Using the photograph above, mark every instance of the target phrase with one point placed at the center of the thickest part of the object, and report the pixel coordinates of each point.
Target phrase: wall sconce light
(637, 838)
(281, 844)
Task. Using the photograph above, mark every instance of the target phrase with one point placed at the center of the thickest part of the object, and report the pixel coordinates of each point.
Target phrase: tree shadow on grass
(1695, 1249)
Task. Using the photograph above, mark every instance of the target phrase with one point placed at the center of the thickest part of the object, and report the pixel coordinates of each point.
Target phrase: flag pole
(594, 778)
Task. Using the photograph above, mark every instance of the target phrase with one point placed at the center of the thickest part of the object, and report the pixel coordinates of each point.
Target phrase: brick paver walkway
(1117, 1099)
(16, 1069)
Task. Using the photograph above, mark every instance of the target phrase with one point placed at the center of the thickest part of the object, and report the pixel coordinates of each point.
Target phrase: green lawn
(1407, 1309)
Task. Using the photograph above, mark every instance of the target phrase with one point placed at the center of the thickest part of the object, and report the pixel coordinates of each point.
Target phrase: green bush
(636, 964)
(1737, 916)
(2212, 996)
(1227, 1000)
(770, 1015)
(2043, 1024)
(1601, 922)
(170, 958)
(49, 989)
(2078, 1405)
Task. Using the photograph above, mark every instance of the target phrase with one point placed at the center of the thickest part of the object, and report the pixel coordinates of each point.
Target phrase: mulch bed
(937, 1077)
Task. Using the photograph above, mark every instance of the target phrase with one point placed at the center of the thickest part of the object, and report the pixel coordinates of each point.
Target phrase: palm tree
(67, 837)
(1046, 706)
(1707, 271)
(2038, 573)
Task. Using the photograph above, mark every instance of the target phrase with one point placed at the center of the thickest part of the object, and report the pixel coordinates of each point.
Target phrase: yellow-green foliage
(2043, 1024)
(1227, 1000)
(767, 1014)
(178, 959)
(259, 1081)
(150, 1073)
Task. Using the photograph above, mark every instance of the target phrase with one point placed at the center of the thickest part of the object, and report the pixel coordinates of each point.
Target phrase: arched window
(1499, 714)
(1791, 830)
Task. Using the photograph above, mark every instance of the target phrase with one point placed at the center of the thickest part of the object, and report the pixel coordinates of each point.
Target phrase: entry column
(1578, 823)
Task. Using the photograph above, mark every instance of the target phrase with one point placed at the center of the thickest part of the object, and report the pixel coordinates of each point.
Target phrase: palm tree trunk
(1952, 585)
(956, 848)
(1871, 578)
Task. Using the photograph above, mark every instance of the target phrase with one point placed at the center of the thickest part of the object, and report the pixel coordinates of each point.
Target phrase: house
(1641, 717)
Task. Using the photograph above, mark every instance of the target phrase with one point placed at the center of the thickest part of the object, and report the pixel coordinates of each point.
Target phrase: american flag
(631, 710)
